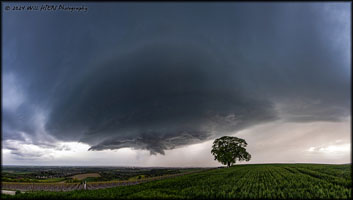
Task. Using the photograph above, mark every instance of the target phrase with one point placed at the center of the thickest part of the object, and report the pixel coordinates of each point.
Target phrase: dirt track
(8, 192)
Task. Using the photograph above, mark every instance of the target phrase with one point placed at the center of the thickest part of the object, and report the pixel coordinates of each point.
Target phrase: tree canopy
(227, 150)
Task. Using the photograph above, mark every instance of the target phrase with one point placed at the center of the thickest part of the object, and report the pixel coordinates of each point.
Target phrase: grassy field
(51, 180)
(83, 176)
(265, 181)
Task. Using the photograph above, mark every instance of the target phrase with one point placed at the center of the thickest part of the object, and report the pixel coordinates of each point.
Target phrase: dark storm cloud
(22, 154)
(156, 97)
(159, 76)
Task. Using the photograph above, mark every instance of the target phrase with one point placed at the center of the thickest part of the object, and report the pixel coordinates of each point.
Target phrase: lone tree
(228, 149)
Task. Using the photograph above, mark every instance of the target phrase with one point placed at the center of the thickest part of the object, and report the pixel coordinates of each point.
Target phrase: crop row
(77, 186)
(42, 186)
(238, 182)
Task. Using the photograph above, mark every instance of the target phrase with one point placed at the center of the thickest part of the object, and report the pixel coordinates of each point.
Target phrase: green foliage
(91, 179)
(51, 180)
(260, 181)
(227, 150)
(70, 180)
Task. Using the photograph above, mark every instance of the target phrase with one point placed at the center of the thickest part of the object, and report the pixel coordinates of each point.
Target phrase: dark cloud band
(156, 98)
(174, 80)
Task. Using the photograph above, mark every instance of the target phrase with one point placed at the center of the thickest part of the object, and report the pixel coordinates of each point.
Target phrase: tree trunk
(228, 164)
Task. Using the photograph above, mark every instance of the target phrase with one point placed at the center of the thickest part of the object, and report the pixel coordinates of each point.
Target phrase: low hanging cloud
(167, 85)
(157, 97)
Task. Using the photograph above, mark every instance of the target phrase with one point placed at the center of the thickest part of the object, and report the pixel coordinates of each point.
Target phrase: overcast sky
(153, 84)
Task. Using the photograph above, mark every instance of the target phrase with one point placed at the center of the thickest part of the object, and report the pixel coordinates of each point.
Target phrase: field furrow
(260, 181)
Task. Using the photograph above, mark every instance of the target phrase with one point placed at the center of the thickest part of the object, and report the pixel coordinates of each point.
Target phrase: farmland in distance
(262, 181)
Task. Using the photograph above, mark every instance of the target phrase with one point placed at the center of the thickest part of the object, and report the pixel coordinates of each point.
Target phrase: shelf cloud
(166, 82)
(156, 98)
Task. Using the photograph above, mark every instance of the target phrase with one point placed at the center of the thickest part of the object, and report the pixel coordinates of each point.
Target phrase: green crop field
(265, 181)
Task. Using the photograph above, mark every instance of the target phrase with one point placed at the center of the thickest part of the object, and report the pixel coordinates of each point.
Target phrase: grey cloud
(157, 97)
(176, 77)
(17, 123)
(26, 155)
(153, 142)
(27, 125)
(20, 152)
